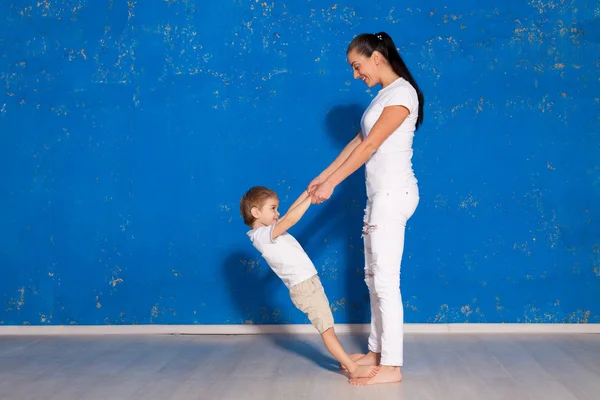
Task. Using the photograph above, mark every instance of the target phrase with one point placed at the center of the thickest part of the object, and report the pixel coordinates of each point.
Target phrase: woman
(385, 145)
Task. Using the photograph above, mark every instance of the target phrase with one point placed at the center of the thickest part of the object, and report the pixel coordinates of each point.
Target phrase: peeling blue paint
(131, 130)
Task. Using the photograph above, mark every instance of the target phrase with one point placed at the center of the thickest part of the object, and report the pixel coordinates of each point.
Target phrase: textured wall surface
(131, 129)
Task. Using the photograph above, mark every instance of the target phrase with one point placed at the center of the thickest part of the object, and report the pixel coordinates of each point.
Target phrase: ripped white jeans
(385, 222)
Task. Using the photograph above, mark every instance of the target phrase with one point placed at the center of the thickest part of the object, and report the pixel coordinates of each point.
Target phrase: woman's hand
(314, 183)
(323, 192)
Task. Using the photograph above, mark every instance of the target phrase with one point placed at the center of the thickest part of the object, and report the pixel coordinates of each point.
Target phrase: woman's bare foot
(370, 359)
(363, 371)
(386, 374)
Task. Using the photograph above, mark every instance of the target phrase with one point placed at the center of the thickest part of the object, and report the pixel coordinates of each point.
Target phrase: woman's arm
(337, 162)
(391, 118)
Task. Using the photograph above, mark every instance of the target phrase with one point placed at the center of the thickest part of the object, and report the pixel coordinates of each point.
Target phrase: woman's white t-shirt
(390, 167)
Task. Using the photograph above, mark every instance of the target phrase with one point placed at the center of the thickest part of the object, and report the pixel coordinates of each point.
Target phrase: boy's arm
(298, 201)
(292, 216)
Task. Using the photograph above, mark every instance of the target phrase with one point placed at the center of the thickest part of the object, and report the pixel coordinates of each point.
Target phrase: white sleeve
(403, 96)
(264, 235)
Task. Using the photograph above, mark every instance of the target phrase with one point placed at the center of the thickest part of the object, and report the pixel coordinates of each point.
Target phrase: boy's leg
(334, 347)
(309, 297)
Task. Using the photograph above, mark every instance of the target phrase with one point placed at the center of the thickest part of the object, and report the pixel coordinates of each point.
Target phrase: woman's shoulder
(400, 92)
(401, 85)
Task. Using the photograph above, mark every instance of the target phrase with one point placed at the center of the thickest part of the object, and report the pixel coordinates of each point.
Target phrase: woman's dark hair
(367, 43)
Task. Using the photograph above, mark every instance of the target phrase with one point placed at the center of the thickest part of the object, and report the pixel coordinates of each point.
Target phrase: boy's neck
(257, 225)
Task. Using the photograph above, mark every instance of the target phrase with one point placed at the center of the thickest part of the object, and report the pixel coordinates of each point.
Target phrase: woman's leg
(376, 323)
(385, 235)
(374, 344)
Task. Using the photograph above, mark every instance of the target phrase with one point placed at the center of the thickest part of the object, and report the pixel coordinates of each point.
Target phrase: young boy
(290, 262)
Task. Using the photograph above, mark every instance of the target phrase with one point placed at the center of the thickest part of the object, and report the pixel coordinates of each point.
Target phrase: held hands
(314, 183)
(320, 192)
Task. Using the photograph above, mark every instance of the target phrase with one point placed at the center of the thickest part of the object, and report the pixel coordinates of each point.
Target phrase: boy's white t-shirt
(284, 255)
(390, 167)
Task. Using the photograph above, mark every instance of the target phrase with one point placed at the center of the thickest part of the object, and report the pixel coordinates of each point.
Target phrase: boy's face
(268, 213)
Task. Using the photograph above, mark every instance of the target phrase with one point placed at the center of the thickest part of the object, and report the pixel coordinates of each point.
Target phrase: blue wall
(131, 129)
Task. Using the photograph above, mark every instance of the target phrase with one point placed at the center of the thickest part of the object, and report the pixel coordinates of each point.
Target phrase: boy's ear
(255, 213)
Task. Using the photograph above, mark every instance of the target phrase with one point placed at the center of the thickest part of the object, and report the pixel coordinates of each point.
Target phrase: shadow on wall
(340, 220)
(252, 284)
(252, 288)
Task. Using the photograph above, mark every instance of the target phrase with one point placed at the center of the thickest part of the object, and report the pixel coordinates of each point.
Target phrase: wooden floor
(437, 366)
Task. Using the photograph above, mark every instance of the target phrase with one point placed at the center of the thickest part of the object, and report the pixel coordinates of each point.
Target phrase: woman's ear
(377, 58)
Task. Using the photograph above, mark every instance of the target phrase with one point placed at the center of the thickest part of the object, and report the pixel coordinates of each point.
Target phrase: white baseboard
(42, 330)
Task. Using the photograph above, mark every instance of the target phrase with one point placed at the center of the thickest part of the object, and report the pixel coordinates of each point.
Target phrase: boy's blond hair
(255, 197)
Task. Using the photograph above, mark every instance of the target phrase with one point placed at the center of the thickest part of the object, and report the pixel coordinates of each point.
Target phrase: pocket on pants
(393, 205)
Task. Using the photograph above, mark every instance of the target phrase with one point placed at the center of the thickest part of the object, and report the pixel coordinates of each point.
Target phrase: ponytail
(367, 43)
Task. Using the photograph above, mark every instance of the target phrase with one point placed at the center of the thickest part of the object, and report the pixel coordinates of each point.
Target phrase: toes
(358, 381)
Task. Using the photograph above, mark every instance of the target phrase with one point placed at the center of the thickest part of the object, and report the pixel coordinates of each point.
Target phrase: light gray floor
(437, 366)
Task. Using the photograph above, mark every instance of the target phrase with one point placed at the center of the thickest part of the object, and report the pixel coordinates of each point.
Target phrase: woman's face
(364, 68)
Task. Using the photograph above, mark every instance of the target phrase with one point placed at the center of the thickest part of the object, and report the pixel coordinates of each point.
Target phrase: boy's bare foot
(363, 371)
(385, 374)
(354, 357)
(370, 359)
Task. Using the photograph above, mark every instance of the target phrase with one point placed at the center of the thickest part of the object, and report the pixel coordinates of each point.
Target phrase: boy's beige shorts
(309, 297)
